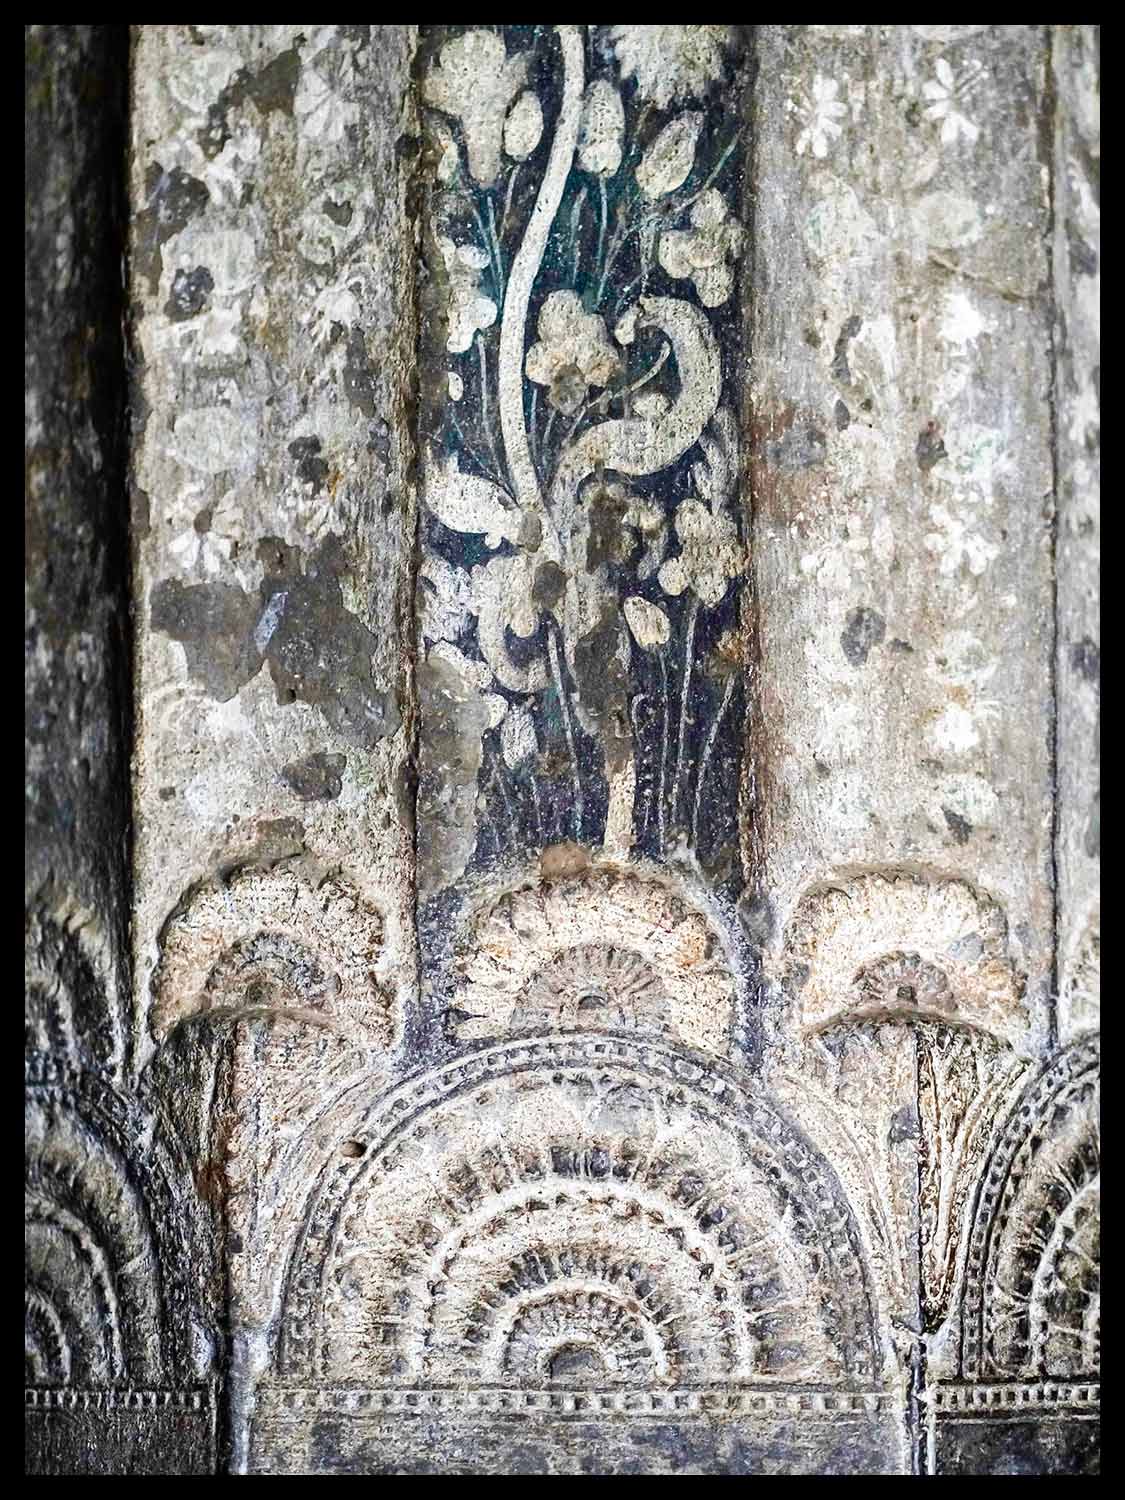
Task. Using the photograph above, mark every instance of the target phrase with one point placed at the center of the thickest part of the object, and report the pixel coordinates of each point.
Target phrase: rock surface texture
(563, 802)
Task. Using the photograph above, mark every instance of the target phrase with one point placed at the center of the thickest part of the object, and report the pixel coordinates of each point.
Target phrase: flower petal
(648, 622)
(667, 163)
(469, 504)
(674, 252)
(603, 127)
(523, 128)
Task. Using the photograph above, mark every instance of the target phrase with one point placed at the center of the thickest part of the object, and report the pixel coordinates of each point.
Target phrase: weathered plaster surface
(1077, 243)
(272, 274)
(898, 396)
(595, 918)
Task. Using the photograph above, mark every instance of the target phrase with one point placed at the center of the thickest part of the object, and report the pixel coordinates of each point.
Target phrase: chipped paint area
(271, 321)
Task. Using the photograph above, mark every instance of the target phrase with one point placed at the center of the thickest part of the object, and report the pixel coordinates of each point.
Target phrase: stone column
(1075, 71)
(272, 314)
(898, 804)
(118, 1331)
(902, 472)
(76, 685)
(582, 558)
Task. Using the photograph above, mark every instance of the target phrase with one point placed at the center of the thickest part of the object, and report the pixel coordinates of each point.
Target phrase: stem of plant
(556, 667)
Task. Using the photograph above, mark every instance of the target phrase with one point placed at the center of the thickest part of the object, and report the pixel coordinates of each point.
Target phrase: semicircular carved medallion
(270, 941)
(902, 945)
(608, 950)
(578, 1209)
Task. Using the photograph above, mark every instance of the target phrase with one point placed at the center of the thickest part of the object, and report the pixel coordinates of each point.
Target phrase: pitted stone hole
(353, 1149)
(590, 1000)
(576, 1364)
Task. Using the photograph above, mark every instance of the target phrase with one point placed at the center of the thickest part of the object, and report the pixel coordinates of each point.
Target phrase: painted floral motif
(468, 308)
(945, 93)
(475, 81)
(667, 162)
(603, 129)
(819, 111)
(671, 62)
(573, 352)
(707, 252)
(710, 554)
(580, 491)
(954, 544)
(648, 623)
(523, 129)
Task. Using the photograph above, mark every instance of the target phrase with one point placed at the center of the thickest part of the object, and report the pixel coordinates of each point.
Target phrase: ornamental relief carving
(517, 1103)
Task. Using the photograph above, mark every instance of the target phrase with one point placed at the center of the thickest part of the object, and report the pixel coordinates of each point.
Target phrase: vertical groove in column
(1076, 149)
(903, 489)
(583, 555)
(77, 681)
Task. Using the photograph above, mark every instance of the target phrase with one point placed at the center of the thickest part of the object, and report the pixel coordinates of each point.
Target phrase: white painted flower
(469, 309)
(456, 386)
(207, 547)
(819, 110)
(962, 322)
(339, 305)
(511, 592)
(573, 352)
(945, 91)
(710, 554)
(475, 81)
(953, 544)
(648, 622)
(978, 457)
(507, 592)
(446, 599)
(200, 552)
(671, 156)
(325, 115)
(471, 505)
(523, 129)
(603, 129)
(707, 251)
(671, 62)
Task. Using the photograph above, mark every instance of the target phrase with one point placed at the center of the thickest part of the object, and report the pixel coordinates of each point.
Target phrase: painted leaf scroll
(583, 548)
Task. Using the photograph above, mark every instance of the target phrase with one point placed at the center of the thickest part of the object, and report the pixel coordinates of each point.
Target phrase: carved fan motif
(902, 945)
(594, 986)
(269, 940)
(611, 949)
(575, 1210)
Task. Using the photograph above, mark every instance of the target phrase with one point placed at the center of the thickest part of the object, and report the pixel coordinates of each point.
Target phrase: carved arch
(552, 1184)
(269, 940)
(117, 1271)
(899, 944)
(1033, 1280)
(72, 1007)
